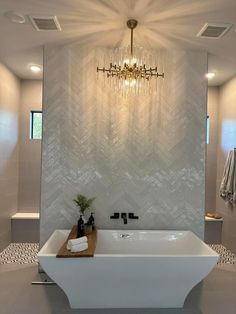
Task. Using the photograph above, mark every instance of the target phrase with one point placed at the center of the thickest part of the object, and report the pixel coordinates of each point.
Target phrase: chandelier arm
(130, 70)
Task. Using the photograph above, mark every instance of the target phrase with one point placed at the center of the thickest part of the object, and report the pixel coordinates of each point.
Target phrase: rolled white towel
(79, 247)
(77, 241)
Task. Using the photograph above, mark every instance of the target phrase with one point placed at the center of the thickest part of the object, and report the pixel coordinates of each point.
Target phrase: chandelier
(130, 67)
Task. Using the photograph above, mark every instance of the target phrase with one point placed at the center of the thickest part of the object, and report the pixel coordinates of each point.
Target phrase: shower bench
(25, 227)
(213, 230)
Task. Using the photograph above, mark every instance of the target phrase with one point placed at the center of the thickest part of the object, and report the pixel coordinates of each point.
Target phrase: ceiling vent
(214, 30)
(45, 23)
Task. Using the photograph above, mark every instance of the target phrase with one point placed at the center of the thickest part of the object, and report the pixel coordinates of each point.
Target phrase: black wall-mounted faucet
(124, 217)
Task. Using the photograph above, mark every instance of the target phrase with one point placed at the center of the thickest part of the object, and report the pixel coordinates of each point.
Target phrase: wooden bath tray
(92, 240)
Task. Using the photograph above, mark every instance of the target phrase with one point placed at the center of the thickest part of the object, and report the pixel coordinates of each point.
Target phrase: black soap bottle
(80, 227)
(91, 221)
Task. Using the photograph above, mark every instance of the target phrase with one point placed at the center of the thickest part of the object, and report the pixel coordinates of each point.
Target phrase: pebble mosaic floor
(26, 253)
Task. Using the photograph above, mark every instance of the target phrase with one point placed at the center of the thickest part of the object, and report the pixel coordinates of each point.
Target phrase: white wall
(211, 161)
(143, 154)
(29, 150)
(226, 142)
(9, 109)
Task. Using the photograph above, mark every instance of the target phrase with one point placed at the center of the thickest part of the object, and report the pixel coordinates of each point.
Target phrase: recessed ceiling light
(35, 68)
(210, 75)
(15, 17)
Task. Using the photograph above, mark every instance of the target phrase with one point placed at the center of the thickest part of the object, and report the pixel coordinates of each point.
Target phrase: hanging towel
(228, 183)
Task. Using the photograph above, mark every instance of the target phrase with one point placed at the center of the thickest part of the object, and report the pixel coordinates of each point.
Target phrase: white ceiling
(162, 23)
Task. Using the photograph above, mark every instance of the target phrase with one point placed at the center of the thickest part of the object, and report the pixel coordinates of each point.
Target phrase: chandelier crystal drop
(131, 64)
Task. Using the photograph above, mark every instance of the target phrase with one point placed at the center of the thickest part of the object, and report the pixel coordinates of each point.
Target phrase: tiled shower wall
(144, 154)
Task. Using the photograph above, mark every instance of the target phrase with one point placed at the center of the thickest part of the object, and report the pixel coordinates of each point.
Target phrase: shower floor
(20, 253)
(226, 256)
(26, 253)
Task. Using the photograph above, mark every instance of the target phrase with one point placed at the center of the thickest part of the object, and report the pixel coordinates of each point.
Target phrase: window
(36, 125)
(208, 130)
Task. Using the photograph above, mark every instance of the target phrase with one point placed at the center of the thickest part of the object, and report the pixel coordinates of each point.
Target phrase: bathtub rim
(212, 254)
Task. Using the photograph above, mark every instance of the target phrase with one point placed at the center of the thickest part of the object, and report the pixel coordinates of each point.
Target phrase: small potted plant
(84, 203)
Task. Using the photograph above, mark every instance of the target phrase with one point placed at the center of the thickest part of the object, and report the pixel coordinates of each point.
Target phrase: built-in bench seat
(213, 219)
(213, 230)
(25, 227)
(25, 216)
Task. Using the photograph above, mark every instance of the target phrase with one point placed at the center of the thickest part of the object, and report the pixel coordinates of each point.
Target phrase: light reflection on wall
(228, 135)
(8, 136)
(8, 127)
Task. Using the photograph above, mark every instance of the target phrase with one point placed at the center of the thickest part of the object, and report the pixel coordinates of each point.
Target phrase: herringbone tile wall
(144, 154)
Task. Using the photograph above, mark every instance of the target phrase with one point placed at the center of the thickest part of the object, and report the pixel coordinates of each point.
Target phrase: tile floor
(226, 256)
(20, 253)
(216, 294)
(26, 253)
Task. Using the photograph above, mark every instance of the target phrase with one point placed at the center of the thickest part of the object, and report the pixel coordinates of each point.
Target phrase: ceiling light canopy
(15, 17)
(35, 68)
(131, 65)
(210, 75)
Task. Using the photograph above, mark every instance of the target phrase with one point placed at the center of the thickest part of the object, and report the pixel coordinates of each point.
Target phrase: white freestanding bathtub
(130, 268)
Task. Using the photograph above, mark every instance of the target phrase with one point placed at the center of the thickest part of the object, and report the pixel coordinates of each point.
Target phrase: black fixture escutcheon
(132, 216)
(115, 216)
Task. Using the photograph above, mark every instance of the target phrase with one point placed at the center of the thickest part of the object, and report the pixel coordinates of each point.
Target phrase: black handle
(131, 216)
(124, 217)
(115, 216)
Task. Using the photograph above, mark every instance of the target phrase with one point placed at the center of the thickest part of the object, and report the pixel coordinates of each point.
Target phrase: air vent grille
(45, 23)
(214, 30)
